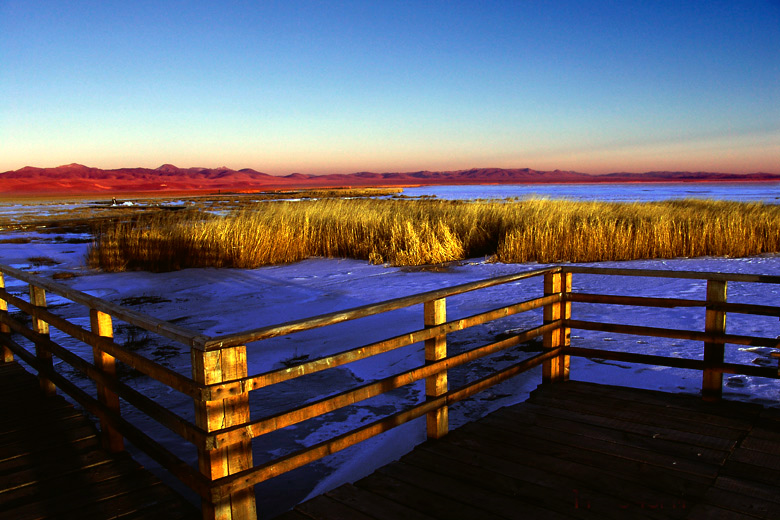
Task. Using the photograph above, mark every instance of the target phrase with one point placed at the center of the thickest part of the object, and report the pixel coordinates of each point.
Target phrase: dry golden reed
(418, 232)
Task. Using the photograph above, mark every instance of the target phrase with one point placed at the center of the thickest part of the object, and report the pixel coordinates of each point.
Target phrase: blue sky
(323, 87)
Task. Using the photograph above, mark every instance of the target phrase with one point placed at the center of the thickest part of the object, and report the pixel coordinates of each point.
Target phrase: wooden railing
(220, 383)
(714, 335)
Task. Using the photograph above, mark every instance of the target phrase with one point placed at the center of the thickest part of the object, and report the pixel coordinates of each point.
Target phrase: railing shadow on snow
(220, 384)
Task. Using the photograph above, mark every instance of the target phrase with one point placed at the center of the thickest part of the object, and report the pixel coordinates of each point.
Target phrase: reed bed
(419, 232)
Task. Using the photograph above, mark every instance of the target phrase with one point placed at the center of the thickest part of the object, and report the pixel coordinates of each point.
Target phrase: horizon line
(227, 168)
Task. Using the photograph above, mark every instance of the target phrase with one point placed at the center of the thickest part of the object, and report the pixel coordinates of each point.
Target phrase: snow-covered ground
(215, 302)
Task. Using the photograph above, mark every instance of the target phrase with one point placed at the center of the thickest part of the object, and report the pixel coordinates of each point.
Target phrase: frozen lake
(768, 192)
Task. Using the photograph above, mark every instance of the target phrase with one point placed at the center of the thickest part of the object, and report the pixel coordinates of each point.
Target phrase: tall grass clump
(553, 231)
(181, 240)
(417, 232)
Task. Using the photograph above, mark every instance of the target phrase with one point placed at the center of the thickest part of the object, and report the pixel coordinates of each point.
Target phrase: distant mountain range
(77, 178)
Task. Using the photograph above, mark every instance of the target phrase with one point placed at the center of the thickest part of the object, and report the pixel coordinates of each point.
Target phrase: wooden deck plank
(17, 396)
(767, 432)
(44, 470)
(556, 494)
(643, 417)
(724, 413)
(23, 445)
(636, 481)
(43, 425)
(642, 414)
(10, 425)
(161, 510)
(293, 514)
(681, 401)
(52, 464)
(27, 460)
(418, 499)
(141, 500)
(529, 420)
(708, 442)
(767, 446)
(607, 448)
(765, 492)
(581, 450)
(740, 503)
(757, 458)
(488, 501)
(665, 477)
(62, 485)
(708, 512)
(571, 481)
(325, 507)
(750, 472)
(56, 503)
(377, 506)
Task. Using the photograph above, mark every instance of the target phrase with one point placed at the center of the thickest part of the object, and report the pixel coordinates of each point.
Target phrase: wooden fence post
(8, 356)
(435, 313)
(212, 367)
(776, 355)
(715, 323)
(102, 325)
(557, 368)
(38, 299)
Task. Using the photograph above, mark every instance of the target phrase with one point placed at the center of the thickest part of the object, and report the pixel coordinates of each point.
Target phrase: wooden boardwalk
(574, 450)
(581, 450)
(52, 464)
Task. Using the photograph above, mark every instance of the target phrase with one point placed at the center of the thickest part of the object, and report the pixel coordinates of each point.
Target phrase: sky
(339, 87)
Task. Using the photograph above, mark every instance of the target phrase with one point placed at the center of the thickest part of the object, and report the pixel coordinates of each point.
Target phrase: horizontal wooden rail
(225, 486)
(657, 273)
(331, 318)
(746, 308)
(641, 301)
(154, 370)
(178, 425)
(368, 390)
(163, 328)
(694, 364)
(221, 390)
(660, 332)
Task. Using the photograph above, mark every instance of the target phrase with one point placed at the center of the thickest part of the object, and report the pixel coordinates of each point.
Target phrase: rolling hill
(80, 179)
